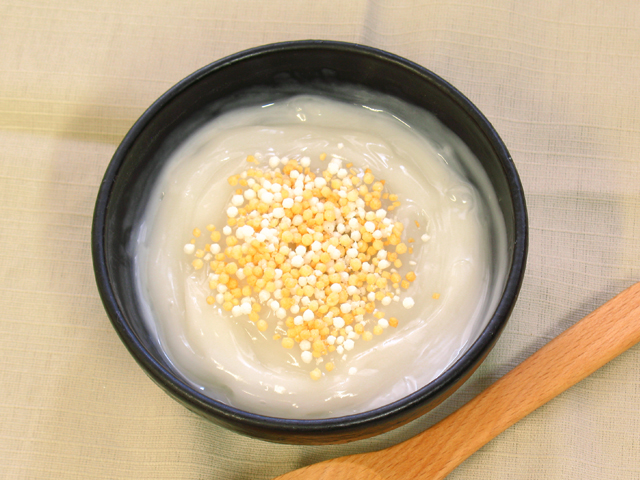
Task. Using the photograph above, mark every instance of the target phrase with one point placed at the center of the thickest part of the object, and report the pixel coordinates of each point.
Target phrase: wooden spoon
(433, 454)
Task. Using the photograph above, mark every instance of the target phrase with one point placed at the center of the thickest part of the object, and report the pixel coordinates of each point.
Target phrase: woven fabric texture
(559, 79)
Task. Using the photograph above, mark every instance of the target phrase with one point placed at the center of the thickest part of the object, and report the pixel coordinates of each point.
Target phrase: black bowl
(291, 66)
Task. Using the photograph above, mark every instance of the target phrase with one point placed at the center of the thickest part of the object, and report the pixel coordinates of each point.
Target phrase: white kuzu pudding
(310, 258)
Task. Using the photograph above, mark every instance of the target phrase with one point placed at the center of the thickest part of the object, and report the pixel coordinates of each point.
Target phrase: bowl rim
(242, 420)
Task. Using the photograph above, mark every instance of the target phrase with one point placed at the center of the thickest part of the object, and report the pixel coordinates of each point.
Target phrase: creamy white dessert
(455, 255)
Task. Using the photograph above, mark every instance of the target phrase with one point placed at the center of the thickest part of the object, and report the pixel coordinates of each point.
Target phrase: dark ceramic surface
(292, 66)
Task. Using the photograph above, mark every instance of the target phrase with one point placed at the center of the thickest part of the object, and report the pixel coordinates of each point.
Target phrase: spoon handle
(433, 454)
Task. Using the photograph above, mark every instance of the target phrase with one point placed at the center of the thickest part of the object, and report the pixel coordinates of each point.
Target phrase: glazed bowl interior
(254, 77)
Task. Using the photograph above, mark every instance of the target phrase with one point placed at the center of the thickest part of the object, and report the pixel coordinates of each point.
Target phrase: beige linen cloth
(560, 81)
